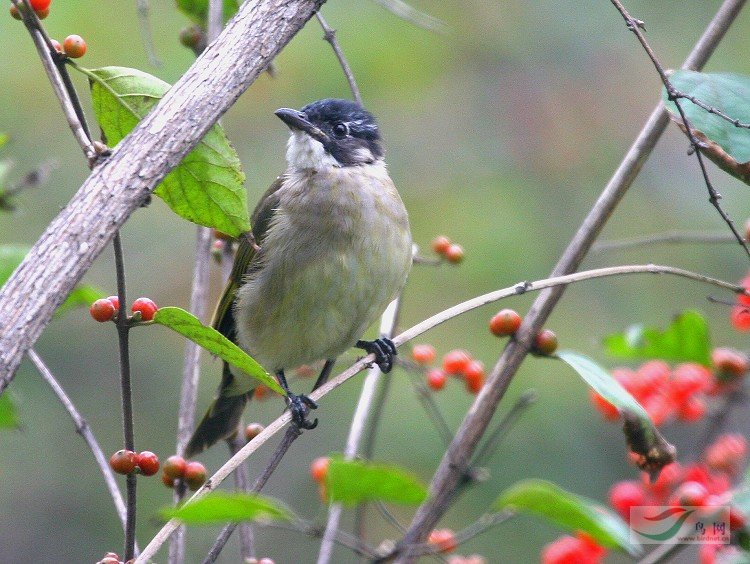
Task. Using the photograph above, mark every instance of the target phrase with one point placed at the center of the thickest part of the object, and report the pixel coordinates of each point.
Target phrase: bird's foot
(300, 406)
(384, 351)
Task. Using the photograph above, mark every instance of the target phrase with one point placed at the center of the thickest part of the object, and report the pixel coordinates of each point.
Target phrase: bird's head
(331, 132)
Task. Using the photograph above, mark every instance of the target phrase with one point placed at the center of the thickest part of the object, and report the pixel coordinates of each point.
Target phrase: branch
(407, 335)
(72, 241)
(667, 237)
(330, 36)
(448, 475)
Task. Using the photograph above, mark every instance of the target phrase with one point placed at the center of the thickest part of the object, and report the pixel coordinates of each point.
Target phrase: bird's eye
(340, 130)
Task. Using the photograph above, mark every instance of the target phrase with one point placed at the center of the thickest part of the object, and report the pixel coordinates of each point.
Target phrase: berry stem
(123, 338)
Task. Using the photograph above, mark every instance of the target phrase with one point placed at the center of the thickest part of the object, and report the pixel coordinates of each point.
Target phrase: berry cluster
(457, 362)
(73, 46)
(506, 322)
(447, 249)
(40, 7)
(578, 549)
(105, 309)
(177, 468)
(127, 461)
(679, 393)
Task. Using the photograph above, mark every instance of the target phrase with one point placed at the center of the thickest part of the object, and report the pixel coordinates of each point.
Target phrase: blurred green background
(500, 135)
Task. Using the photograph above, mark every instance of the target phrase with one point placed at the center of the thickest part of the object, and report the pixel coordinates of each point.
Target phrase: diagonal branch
(71, 242)
(448, 475)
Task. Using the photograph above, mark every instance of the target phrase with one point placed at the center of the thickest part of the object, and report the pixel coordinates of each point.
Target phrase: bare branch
(71, 242)
(474, 425)
(407, 335)
(330, 36)
(667, 237)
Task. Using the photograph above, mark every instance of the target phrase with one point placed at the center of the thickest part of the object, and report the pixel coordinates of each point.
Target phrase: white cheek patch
(363, 155)
(305, 152)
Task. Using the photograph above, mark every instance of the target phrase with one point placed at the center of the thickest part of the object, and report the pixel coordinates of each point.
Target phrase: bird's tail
(221, 419)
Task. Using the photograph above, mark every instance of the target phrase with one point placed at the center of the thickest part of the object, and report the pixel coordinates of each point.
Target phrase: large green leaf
(728, 146)
(223, 507)
(83, 294)
(642, 436)
(207, 186)
(8, 415)
(197, 10)
(570, 511)
(685, 340)
(353, 481)
(187, 325)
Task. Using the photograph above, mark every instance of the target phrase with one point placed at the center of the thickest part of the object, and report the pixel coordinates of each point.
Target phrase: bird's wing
(260, 220)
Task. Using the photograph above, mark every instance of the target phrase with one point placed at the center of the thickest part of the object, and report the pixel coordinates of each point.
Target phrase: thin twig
(357, 428)
(523, 287)
(448, 475)
(711, 109)
(123, 339)
(666, 237)
(428, 403)
(144, 24)
(636, 27)
(330, 36)
(292, 433)
(84, 429)
(242, 483)
(347, 540)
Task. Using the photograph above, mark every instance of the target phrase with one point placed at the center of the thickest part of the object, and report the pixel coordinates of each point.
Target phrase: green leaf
(642, 436)
(572, 512)
(12, 255)
(207, 186)
(187, 325)
(223, 507)
(197, 10)
(8, 416)
(728, 146)
(685, 340)
(353, 481)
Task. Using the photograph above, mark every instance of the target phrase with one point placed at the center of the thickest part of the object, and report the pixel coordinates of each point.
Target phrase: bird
(330, 247)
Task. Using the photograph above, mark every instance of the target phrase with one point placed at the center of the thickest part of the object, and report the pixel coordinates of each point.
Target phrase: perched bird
(330, 248)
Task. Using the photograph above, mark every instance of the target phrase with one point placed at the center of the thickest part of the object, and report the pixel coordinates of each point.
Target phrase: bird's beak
(298, 120)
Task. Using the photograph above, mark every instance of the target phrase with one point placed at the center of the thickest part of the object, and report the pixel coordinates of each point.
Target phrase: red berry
(456, 361)
(742, 299)
(167, 480)
(102, 310)
(692, 410)
(115, 300)
(440, 244)
(148, 462)
(15, 14)
(253, 430)
(147, 308)
(659, 408)
(608, 411)
(727, 453)
(123, 461)
(474, 376)
(624, 495)
(595, 550)
(319, 468)
(740, 318)
(688, 379)
(260, 392)
(74, 46)
(195, 475)
(650, 377)
(567, 550)
(436, 379)
(692, 494)
(545, 342)
(454, 253)
(443, 539)
(729, 364)
(505, 322)
(668, 478)
(174, 467)
(423, 354)
(40, 4)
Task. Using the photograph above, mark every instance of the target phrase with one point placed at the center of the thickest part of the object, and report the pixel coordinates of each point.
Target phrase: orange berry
(41, 14)
(195, 475)
(174, 467)
(740, 318)
(443, 539)
(146, 306)
(505, 322)
(423, 354)
(545, 342)
(456, 361)
(319, 468)
(436, 379)
(253, 430)
(440, 244)
(74, 46)
(40, 4)
(474, 376)
(454, 253)
(102, 310)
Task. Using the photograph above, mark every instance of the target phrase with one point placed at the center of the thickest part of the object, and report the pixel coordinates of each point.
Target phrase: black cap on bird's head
(346, 130)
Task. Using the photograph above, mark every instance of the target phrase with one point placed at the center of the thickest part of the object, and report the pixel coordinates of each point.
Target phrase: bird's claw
(300, 406)
(384, 351)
